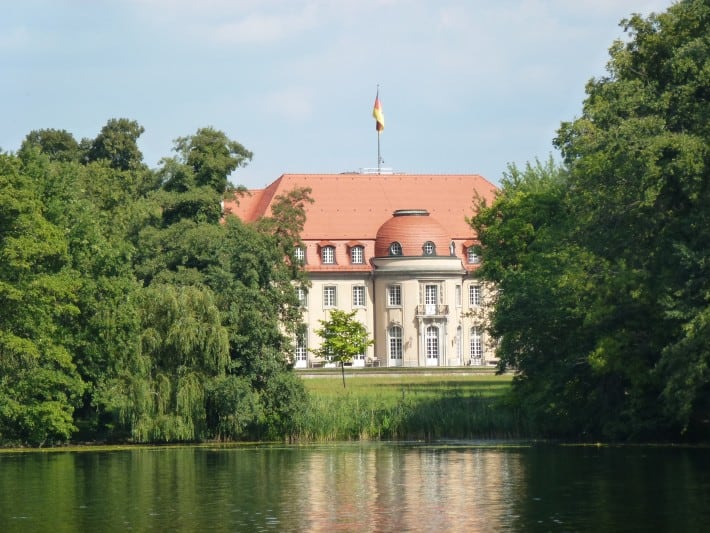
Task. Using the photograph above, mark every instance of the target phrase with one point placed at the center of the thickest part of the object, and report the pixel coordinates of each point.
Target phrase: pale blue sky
(466, 86)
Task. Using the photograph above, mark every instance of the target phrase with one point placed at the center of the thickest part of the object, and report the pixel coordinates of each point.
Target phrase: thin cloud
(292, 103)
(262, 28)
(15, 39)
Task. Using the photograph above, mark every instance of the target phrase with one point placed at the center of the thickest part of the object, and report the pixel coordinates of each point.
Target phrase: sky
(466, 86)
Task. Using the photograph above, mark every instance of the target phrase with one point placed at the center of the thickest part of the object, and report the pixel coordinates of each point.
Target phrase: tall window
(458, 295)
(395, 248)
(431, 298)
(301, 347)
(474, 295)
(299, 254)
(476, 347)
(395, 344)
(330, 296)
(302, 296)
(432, 342)
(327, 255)
(358, 296)
(394, 295)
(357, 255)
(471, 256)
(459, 342)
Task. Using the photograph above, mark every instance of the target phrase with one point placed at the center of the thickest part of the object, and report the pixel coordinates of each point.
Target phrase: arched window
(327, 255)
(429, 248)
(395, 248)
(357, 255)
(472, 256)
(299, 254)
(432, 342)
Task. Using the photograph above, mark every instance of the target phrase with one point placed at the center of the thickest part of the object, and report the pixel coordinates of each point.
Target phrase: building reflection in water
(403, 488)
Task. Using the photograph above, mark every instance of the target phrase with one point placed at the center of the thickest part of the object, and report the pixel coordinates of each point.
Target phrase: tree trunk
(342, 368)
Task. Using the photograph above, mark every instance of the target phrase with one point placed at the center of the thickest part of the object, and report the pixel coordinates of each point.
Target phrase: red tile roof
(411, 231)
(354, 206)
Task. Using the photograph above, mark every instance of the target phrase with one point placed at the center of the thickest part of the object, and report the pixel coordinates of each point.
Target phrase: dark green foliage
(131, 311)
(57, 145)
(39, 384)
(603, 265)
(118, 145)
(211, 157)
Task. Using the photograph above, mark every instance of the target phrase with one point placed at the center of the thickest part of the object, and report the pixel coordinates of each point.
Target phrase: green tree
(342, 338)
(195, 182)
(183, 348)
(95, 205)
(639, 160)
(39, 384)
(602, 264)
(543, 298)
(58, 145)
(211, 156)
(117, 143)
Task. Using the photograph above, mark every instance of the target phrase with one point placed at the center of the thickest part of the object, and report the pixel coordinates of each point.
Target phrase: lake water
(358, 487)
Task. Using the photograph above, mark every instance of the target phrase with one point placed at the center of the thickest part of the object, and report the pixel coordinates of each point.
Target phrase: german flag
(377, 113)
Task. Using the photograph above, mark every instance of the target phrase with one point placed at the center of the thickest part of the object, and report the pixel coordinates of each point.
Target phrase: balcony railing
(432, 310)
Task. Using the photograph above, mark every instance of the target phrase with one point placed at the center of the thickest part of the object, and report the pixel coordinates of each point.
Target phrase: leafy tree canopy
(603, 263)
(58, 145)
(130, 306)
(117, 143)
(342, 338)
(211, 157)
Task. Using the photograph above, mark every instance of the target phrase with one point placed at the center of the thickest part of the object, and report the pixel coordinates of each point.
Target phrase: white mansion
(397, 249)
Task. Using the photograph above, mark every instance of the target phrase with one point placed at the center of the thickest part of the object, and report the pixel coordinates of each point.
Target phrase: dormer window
(429, 248)
(299, 254)
(471, 256)
(327, 255)
(357, 255)
(395, 248)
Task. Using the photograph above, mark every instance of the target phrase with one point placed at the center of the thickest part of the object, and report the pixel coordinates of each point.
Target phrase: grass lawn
(423, 387)
(408, 406)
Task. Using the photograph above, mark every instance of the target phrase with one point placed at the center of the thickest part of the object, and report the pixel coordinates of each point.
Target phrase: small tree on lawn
(343, 337)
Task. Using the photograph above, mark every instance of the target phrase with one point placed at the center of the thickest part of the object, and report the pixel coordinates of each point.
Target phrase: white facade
(409, 273)
(421, 311)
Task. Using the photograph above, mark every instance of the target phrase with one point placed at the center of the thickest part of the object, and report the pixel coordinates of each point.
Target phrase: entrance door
(431, 342)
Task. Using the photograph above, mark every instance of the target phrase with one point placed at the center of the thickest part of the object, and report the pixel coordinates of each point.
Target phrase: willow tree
(184, 347)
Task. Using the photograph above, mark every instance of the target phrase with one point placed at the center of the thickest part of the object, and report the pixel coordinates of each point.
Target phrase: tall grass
(410, 407)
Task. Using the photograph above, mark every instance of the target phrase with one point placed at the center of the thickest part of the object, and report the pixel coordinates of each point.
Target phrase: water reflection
(409, 489)
(351, 487)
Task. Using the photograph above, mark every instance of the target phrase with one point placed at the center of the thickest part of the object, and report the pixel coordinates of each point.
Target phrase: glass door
(431, 343)
(431, 298)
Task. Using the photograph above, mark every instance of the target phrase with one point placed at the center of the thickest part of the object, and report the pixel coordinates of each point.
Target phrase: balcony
(432, 310)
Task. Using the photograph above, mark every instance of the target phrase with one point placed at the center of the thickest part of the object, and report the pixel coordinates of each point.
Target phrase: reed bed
(409, 407)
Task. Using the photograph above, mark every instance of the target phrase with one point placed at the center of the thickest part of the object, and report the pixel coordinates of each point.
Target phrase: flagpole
(379, 126)
(379, 158)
